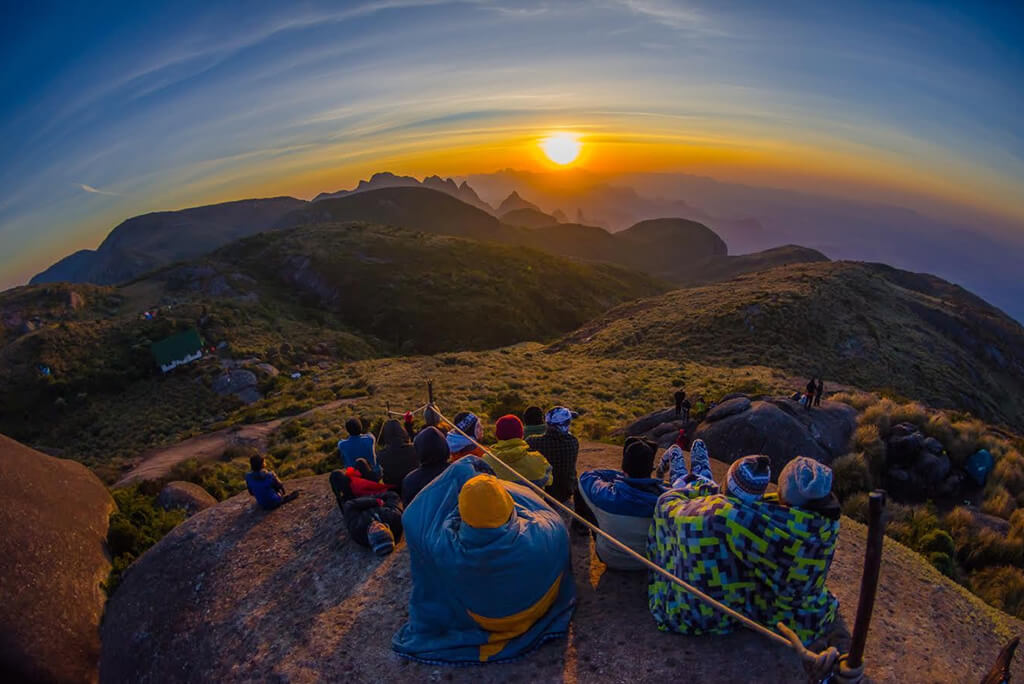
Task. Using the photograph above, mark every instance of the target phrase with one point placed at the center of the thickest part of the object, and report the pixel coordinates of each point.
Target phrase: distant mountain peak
(386, 179)
(513, 202)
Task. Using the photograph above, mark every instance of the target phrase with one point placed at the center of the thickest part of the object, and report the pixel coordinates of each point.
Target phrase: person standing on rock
(811, 388)
(264, 485)
(682, 406)
(818, 391)
(357, 445)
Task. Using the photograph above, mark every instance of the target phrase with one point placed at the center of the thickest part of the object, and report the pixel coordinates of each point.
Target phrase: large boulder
(53, 527)
(778, 428)
(186, 496)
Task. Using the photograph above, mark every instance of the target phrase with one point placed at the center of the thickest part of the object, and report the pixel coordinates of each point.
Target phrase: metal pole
(869, 579)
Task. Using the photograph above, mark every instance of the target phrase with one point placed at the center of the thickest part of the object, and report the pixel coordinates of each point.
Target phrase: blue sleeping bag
(483, 595)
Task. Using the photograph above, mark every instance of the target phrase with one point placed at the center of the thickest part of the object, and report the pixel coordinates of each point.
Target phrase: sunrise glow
(562, 148)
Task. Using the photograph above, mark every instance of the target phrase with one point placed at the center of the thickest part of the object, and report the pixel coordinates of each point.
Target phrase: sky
(109, 110)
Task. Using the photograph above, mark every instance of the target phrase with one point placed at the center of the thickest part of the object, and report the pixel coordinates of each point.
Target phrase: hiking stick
(852, 663)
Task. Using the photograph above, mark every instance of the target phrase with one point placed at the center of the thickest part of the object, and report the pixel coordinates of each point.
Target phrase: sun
(561, 148)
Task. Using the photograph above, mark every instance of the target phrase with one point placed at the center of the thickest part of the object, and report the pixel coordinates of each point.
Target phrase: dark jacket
(433, 452)
(398, 457)
(359, 513)
(265, 487)
(561, 450)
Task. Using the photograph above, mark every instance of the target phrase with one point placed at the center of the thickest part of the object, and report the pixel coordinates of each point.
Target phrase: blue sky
(111, 110)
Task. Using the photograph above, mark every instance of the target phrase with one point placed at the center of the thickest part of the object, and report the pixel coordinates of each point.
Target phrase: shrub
(879, 415)
(988, 548)
(939, 427)
(505, 403)
(856, 507)
(850, 474)
(868, 441)
(1002, 587)
(1009, 472)
(943, 562)
(968, 439)
(858, 400)
(912, 412)
(937, 541)
(998, 501)
(135, 525)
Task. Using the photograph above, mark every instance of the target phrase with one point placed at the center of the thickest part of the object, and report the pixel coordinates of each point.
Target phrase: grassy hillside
(78, 373)
(865, 325)
(723, 268)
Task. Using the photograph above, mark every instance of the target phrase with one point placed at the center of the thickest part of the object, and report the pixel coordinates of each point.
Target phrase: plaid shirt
(560, 449)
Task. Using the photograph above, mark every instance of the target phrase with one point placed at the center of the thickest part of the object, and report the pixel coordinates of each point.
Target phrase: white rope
(743, 619)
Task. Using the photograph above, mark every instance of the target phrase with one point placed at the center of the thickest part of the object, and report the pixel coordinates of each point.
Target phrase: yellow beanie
(484, 502)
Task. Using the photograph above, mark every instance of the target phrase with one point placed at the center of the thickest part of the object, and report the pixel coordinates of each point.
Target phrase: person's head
(508, 427)
(431, 417)
(484, 503)
(804, 480)
(407, 417)
(748, 478)
(431, 446)
(392, 434)
(256, 463)
(354, 426)
(560, 418)
(533, 416)
(638, 457)
(469, 424)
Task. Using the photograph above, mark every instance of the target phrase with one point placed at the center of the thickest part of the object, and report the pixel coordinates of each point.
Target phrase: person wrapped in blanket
(491, 572)
(765, 555)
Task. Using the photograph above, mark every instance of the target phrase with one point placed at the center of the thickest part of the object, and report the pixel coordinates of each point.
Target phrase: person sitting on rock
(561, 449)
(700, 408)
(363, 480)
(766, 556)
(373, 520)
(357, 445)
(533, 423)
(458, 443)
(623, 502)
(432, 450)
(513, 450)
(264, 485)
(491, 571)
(398, 457)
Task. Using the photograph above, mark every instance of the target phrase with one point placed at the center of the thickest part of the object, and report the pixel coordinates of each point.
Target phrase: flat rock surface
(54, 515)
(238, 594)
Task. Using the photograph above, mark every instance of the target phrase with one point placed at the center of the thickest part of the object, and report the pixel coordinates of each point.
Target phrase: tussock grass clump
(1002, 587)
(851, 473)
(998, 501)
(858, 400)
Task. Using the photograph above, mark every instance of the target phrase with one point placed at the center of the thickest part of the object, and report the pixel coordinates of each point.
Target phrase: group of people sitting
(490, 559)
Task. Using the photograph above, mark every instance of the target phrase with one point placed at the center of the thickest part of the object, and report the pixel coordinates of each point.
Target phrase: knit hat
(484, 502)
(804, 480)
(381, 540)
(469, 424)
(508, 427)
(748, 478)
(560, 417)
(638, 457)
(431, 446)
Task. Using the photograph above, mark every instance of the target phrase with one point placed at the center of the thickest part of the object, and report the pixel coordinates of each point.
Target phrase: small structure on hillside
(177, 350)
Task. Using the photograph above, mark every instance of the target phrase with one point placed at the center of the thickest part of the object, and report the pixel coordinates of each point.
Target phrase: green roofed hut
(177, 350)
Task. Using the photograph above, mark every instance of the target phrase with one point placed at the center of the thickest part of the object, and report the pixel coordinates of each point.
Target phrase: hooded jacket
(483, 594)
(361, 512)
(398, 457)
(432, 450)
(764, 559)
(516, 453)
(624, 507)
(265, 488)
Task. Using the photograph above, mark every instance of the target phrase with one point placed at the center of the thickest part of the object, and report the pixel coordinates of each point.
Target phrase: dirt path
(156, 463)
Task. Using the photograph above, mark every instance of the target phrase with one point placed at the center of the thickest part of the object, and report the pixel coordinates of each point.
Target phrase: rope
(824, 659)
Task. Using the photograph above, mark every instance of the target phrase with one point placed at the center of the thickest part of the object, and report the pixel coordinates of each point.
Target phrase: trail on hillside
(157, 463)
(311, 606)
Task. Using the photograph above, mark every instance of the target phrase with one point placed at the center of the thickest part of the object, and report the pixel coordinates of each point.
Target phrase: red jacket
(363, 487)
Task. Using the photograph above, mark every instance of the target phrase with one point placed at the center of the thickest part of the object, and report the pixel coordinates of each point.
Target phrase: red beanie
(508, 427)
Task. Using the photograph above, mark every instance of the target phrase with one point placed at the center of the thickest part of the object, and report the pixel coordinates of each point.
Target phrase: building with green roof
(177, 350)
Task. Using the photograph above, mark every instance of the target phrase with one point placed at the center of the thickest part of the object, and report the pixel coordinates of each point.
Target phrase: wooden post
(430, 392)
(869, 579)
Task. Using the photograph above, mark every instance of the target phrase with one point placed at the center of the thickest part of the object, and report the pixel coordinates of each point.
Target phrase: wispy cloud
(671, 14)
(97, 191)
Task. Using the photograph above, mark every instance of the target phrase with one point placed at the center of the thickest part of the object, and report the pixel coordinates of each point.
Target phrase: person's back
(533, 423)
(491, 570)
(264, 485)
(561, 449)
(432, 451)
(357, 445)
(623, 502)
(398, 457)
(752, 552)
(513, 450)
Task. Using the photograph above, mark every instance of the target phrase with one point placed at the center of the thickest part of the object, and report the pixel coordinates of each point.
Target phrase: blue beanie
(748, 478)
(803, 480)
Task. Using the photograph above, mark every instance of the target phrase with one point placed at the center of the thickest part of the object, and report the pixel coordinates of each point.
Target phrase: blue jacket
(265, 486)
(360, 446)
(624, 507)
(483, 595)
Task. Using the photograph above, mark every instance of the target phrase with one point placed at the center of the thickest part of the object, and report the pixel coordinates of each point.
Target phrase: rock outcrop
(186, 496)
(918, 468)
(240, 382)
(239, 594)
(53, 527)
(777, 427)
